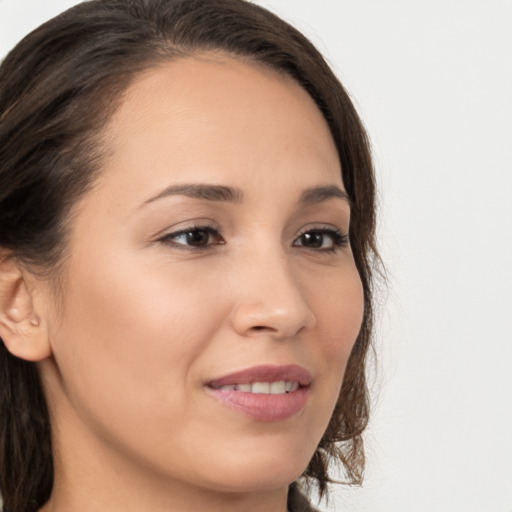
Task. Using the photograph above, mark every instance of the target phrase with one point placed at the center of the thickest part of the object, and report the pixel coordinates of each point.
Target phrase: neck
(92, 479)
(120, 495)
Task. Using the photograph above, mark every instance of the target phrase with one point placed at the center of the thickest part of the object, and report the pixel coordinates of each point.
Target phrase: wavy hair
(58, 88)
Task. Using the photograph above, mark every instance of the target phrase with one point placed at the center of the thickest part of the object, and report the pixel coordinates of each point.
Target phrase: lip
(259, 406)
(265, 373)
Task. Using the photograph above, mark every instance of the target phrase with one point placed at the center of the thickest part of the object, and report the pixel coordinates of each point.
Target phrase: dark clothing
(297, 502)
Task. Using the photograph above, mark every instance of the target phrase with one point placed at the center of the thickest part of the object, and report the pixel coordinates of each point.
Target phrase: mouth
(264, 393)
(265, 388)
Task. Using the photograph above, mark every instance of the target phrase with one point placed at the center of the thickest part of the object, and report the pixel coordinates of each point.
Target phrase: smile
(266, 388)
(264, 393)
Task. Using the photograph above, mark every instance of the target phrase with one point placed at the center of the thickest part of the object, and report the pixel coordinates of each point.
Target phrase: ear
(22, 328)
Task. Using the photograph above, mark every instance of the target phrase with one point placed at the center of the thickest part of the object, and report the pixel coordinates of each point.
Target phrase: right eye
(193, 238)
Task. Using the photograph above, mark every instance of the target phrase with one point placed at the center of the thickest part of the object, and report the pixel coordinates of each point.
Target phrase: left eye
(321, 239)
(199, 237)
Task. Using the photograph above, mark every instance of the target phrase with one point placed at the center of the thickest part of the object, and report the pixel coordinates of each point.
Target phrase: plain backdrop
(432, 80)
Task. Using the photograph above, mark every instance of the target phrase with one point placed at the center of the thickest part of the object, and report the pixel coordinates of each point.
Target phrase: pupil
(313, 239)
(197, 237)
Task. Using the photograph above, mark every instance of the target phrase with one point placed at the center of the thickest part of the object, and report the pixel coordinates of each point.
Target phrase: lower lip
(261, 406)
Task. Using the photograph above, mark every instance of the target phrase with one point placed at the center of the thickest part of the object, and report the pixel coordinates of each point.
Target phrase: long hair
(58, 88)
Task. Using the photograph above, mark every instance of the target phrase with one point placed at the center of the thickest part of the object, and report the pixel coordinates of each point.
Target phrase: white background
(432, 80)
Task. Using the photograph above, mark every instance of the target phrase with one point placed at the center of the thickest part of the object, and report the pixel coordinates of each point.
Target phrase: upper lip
(265, 373)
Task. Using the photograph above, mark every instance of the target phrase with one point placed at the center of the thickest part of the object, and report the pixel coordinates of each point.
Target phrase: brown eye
(313, 239)
(322, 240)
(195, 238)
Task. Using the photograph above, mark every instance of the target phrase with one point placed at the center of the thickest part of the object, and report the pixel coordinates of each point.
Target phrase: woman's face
(209, 276)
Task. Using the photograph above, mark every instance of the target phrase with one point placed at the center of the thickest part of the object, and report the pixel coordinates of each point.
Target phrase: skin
(147, 322)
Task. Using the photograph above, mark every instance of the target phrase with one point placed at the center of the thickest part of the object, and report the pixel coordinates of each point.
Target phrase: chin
(254, 480)
(256, 472)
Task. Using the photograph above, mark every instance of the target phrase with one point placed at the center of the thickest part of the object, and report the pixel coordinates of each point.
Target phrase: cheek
(340, 313)
(339, 318)
(135, 334)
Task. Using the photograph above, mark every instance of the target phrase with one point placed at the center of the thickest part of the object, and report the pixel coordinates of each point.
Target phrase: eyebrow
(222, 193)
(320, 194)
(201, 191)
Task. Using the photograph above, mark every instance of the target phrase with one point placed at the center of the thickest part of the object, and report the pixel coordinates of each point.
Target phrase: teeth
(261, 387)
(278, 388)
(292, 386)
(266, 388)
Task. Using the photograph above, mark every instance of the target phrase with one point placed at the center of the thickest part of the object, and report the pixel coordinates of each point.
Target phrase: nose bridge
(270, 298)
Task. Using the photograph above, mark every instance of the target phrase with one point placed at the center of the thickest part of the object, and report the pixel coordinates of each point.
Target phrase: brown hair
(58, 88)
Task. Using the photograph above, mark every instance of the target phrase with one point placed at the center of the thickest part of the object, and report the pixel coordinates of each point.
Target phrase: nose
(270, 300)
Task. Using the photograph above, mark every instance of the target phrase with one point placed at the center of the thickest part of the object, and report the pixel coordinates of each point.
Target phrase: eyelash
(170, 238)
(339, 240)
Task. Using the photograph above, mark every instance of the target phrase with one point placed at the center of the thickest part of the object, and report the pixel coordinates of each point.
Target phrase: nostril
(263, 329)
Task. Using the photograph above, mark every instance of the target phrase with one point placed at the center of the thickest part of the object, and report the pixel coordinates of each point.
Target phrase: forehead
(211, 119)
(213, 97)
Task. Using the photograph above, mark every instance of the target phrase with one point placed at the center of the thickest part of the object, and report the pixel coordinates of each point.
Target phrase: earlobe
(21, 327)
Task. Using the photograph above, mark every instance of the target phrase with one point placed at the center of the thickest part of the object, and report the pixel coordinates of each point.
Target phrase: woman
(187, 235)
